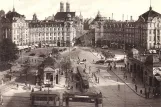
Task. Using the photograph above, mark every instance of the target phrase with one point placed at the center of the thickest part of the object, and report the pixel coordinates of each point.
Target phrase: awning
(158, 78)
(49, 69)
(36, 44)
(20, 47)
(152, 51)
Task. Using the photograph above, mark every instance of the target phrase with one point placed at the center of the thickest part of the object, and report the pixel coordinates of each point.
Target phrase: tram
(83, 79)
(87, 99)
(44, 99)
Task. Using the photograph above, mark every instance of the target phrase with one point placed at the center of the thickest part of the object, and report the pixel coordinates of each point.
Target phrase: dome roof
(99, 15)
(69, 15)
(150, 14)
(134, 51)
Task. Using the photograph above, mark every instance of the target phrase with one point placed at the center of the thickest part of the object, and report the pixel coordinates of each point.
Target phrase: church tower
(61, 7)
(67, 7)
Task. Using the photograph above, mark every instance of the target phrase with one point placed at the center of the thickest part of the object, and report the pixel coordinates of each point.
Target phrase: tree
(98, 43)
(8, 50)
(68, 43)
(65, 64)
(55, 51)
(108, 54)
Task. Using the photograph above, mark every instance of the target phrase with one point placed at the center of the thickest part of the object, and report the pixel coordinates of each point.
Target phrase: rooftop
(63, 15)
(149, 15)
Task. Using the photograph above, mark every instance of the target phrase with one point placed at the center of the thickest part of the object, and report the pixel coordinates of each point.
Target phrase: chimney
(123, 17)
(131, 18)
(112, 16)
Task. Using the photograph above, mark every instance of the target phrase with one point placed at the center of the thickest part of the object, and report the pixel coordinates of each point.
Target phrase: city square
(66, 60)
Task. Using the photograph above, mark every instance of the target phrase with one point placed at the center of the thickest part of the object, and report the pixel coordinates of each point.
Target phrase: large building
(58, 30)
(15, 27)
(144, 33)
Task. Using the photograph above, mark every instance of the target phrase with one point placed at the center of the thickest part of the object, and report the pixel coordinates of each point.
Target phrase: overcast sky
(88, 8)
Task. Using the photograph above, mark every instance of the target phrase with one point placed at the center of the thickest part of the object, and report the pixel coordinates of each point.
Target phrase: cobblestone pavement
(116, 93)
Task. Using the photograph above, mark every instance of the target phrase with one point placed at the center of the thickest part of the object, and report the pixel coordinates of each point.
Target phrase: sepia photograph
(80, 53)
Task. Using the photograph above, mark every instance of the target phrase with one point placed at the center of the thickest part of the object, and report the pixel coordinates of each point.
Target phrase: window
(158, 25)
(48, 75)
(149, 31)
(158, 32)
(149, 38)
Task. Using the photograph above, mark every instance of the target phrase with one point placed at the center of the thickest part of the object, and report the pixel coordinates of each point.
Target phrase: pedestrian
(1, 99)
(141, 92)
(126, 77)
(95, 79)
(149, 89)
(110, 67)
(84, 70)
(147, 94)
(10, 77)
(98, 80)
(135, 87)
(32, 90)
(119, 87)
(17, 86)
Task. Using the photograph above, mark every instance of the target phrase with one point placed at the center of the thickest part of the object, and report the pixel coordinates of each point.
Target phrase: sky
(88, 8)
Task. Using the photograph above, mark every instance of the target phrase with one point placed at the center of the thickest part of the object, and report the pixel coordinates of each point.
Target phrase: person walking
(1, 99)
(119, 87)
(149, 90)
(135, 87)
(17, 86)
(126, 77)
(110, 67)
(96, 79)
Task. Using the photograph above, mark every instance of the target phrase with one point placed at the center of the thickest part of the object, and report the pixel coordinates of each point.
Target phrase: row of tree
(8, 50)
(107, 54)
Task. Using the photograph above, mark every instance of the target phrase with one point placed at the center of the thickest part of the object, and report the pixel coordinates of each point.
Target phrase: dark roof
(45, 23)
(63, 15)
(9, 16)
(150, 13)
(49, 61)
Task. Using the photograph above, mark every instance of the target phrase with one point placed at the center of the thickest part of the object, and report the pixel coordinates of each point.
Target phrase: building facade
(144, 33)
(15, 27)
(61, 30)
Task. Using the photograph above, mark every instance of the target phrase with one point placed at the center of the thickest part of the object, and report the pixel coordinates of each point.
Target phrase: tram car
(78, 99)
(83, 79)
(44, 99)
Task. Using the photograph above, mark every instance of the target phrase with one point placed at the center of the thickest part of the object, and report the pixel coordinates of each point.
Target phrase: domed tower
(98, 14)
(2, 13)
(34, 17)
(81, 17)
(69, 17)
(67, 7)
(61, 7)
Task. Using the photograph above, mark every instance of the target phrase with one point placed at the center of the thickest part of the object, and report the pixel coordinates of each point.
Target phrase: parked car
(100, 62)
(105, 47)
(81, 62)
(32, 54)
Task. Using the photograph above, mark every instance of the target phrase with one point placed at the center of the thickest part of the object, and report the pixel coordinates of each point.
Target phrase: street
(108, 84)
(114, 90)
